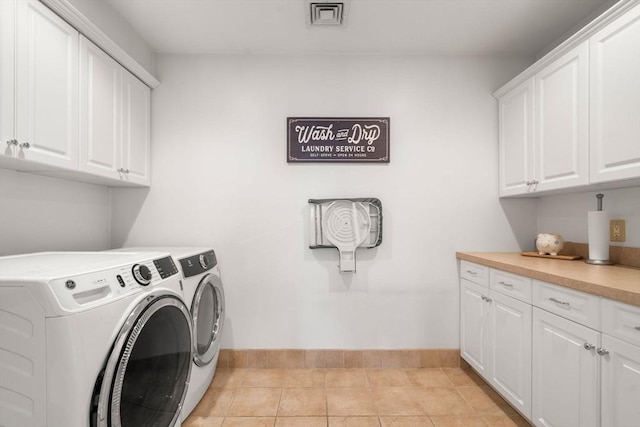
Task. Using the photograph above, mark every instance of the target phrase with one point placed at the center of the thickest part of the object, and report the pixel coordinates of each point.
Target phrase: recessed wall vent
(326, 14)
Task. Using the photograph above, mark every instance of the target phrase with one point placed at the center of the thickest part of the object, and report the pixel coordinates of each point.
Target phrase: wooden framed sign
(319, 139)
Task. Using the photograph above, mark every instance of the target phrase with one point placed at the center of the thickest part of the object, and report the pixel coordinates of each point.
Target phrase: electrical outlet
(617, 230)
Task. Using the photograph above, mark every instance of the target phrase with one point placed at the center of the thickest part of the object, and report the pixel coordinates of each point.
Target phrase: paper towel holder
(589, 260)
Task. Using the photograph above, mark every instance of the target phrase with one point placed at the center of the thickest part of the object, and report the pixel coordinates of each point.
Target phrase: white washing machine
(204, 294)
(92, 339)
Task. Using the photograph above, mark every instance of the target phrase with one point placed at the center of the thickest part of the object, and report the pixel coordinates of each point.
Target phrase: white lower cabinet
(565, 372)
(620, 397)
(496, 341)
(474, 325)
(510, 363)
(561, 357)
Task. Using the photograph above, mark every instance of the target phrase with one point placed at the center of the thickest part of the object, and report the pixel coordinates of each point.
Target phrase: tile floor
(434, 397)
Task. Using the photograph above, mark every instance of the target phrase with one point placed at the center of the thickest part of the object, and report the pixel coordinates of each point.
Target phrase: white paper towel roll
(598, 228)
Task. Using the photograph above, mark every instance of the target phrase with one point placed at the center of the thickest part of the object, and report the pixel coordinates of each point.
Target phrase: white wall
(566, 214)
(103, 16)
(39, 213)
(220, 179)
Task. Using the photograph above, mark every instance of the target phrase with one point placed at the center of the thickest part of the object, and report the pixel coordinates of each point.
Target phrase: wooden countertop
(610, 281)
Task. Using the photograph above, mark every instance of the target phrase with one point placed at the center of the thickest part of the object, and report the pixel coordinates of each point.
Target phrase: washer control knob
(142, 274)
(204, 262)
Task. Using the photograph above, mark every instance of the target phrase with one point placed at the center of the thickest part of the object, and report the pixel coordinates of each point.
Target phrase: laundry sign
(319, 139)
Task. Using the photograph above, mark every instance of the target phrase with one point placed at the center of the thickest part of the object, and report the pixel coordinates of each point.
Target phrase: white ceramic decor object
(346, 224)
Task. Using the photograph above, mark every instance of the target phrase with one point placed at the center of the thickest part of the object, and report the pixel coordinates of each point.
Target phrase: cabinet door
(615, 99)
(511, 350)
(515, 120)
(7, 77)
(565, 373)
(101, 111)
(620, 383)
(136, 130)
(474, 326)
(561, 152)
(46, 86)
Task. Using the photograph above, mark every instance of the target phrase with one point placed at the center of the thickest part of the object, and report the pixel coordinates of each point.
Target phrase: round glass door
(207, 312)
(146, 376)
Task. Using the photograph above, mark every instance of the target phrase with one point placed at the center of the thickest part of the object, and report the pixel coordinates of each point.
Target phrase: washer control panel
(198, 264)
(90, 289)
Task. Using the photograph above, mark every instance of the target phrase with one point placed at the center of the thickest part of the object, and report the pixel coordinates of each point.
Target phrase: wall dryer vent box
(345, 224)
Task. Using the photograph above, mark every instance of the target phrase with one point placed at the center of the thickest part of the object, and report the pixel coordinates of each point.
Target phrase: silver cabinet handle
(487, 299)
(637, 328)
(602, 351)
(25, 145)
(508, 285)
(588, 346)
(12, 142)
(473, 273)
(557, 301)
(123, 170)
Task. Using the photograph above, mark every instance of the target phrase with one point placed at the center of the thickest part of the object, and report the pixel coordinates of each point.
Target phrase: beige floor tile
(405, 422)
(264, 378)
(203, 422)
(462, 377)
(345, 378)
(353, 359)
(428, 378)
(304, 378)
(249, 422)
(228, 378)
(335, 359)
(354, 422)
(315, 359)
(350, 401)
(258, 359)
(485, 401)
(396, 401)
(215, 402)
(450, 358)
(289, 359)
(372, 358)
(458, 421)
(301, 421)
(442, 401)
(510, 420)
(387, 378)
(255, 402)
(302, 401)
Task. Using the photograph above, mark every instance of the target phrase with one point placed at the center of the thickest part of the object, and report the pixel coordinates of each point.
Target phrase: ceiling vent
(326, 13)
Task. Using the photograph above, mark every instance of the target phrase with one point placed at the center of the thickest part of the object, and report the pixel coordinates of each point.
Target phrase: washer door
(146, 376)
(207, 313)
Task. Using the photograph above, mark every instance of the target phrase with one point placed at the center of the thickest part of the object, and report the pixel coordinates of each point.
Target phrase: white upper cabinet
(561, 148)
(67, 108)
(40, 79)
(7, 78)
(516, 111)
(114, 119)
(100, 111)
(136, 130)
(615, 99)
(578, 123)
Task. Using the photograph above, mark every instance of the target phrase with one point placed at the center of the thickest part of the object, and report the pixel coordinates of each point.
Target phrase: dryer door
(207, 313)
(146, 376)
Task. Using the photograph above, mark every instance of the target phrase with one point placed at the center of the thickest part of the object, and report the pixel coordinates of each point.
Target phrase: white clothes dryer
(204, 293)
(92, 339)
